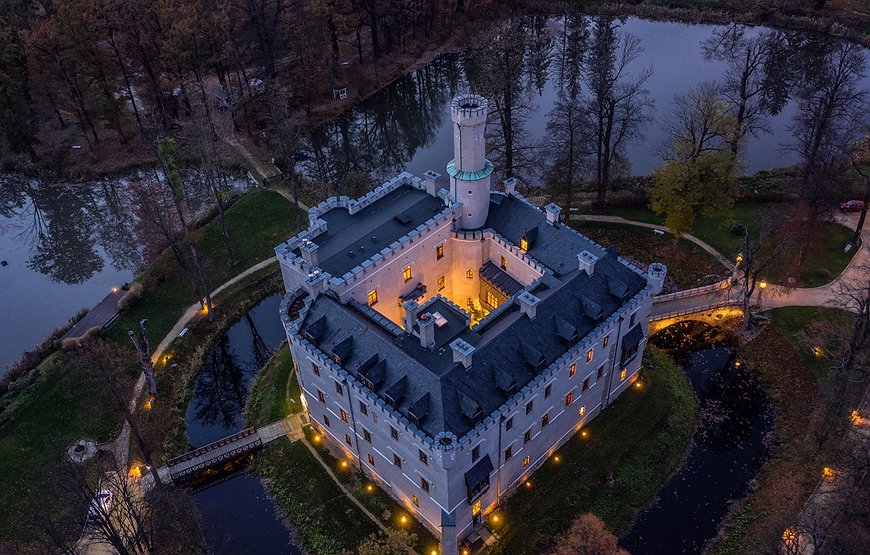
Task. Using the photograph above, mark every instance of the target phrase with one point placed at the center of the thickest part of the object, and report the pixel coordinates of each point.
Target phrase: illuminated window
(503, 263)
(343, 416)
(569, 398)
(491, 299)
(589, 354)
(585, 384)
(441, 283)
(524, 244)
(582, 411)
(526, 461)
(622, 374)
(373, 297)
(424, 484)
(475, 509)
(371, 459)
(406, 273)
(415, 501)
(321, 396)
(572, 369)
(469, 273)
(606, 341)
(439, 251)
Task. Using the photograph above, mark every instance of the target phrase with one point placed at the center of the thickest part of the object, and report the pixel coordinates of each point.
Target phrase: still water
(728, 446)
(239, 515)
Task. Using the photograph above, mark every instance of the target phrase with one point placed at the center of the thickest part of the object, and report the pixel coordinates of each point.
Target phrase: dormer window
(406, 273)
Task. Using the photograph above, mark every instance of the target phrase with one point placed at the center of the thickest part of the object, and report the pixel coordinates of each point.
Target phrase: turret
(470, 170)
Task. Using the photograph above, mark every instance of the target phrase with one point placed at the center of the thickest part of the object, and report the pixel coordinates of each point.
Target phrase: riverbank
(615, 465)
(793, 377)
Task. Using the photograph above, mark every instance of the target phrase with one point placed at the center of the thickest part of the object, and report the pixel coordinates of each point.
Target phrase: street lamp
(762, 285)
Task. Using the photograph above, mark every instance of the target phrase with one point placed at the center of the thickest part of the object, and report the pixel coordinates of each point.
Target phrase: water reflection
(728, 445)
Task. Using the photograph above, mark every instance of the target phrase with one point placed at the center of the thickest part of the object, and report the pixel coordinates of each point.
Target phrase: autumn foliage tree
(587, 535)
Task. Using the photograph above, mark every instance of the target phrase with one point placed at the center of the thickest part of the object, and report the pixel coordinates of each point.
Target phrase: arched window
(469, 273)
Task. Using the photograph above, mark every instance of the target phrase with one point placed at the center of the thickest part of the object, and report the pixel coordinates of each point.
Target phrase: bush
(131, 297)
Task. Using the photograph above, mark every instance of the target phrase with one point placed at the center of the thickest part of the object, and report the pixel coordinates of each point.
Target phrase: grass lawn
(640, 439)
(688, 264)
(274, 393)
(257, 221)
(825, 264)
(792, 378)
(34, 443)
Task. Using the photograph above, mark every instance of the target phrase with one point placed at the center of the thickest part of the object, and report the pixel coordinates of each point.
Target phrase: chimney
(510, 185)
(462, 352)
(309, 252)
(426, 322)
(315, 282)
(587, 262)
(552, 211)
(411, 309)
(528, 304)
(429, 178)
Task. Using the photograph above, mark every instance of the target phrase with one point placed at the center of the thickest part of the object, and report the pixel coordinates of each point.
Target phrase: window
(589, 354)
(363, 408)
(469, 273)
(423, 457)
(569, 398)
(585, 384)
(524, 244)
(526, 461)
(439, 251)
(622, 374)
(572, 369)
(475, 453)
(406, 273)
(582, 412)
(326, 421)
(415, 501)
(373, 297)
(371, 459)
(347, 440)
(397, 460)
(394, 433)
(491, 299)
(343, 416)
(545, 420)
(503, 263)
(509, 424)
(440, 283)
(606, 341)
(321, 396)
(600, 372)
(367, 435)
(527, 436)
(470, 302)
(339, 389)
(508, 453)
(631, 320)
(424, 484)
(529, 407)
(316, 369)
(548, 390)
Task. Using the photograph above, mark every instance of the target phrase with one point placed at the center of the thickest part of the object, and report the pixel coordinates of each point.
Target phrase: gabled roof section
(500, 279)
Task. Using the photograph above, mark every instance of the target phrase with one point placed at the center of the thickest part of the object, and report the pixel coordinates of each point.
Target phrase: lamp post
(762, 285)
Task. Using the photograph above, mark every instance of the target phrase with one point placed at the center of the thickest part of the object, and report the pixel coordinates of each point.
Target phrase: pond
(238, 513)
(407, 125)
(727, 451)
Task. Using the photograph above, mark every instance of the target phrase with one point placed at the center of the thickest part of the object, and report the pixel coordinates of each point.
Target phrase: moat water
(727, 450)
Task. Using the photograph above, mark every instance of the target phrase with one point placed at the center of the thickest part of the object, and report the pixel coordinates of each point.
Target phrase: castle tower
(470, 170)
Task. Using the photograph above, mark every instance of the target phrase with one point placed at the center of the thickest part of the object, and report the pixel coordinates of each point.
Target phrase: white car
(100, 505)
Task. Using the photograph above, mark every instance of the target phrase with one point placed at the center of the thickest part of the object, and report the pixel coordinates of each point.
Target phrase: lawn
(688, 264)
(793, 380)
(639, 439)
(825, 264)
(258, 221)
(274, 393)
(34, 443)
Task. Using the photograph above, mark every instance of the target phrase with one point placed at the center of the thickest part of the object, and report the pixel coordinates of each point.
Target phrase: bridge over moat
(712, 304)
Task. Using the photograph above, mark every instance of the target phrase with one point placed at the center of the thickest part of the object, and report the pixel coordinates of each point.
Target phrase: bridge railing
(210, 447)
(724, 284)
(694, 310)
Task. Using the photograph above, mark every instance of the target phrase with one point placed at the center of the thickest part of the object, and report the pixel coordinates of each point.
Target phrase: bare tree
(565, 146)
(761, 249)
(617, 105)
(143, 349)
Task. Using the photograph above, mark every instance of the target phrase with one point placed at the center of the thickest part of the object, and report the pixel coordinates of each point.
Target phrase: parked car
(852, 206)
(100, 505)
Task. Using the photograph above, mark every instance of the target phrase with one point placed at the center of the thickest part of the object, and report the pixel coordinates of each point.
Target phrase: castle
(448, 339)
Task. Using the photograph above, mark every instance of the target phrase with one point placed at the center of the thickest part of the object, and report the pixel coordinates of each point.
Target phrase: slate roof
(503, 348)
(501, 279)
(351, 239)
